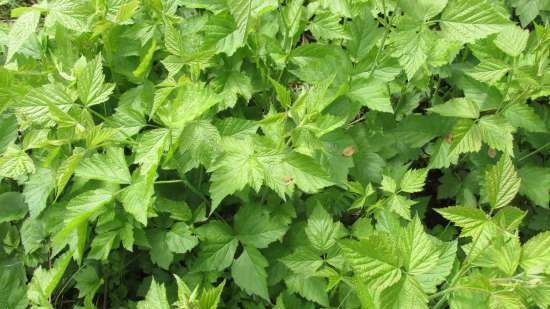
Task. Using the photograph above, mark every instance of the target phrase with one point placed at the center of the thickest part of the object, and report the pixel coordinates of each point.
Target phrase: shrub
(275, 154)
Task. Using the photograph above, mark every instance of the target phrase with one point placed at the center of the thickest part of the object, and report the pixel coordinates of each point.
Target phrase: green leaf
(160, 252)
(400, 205)
(87, 282)
(488, 71)
(15, 162)
(365, 34)
(303, 261)
(471, 220)
(37, 190)
(501, 183)
(150, 147)
(321, 231)
(466, 137)
(193, 99)
(33, 233)
(66, 169)
(471, 20)
(497, 133)
(35, 105)
(137, 198)
(527, 10)
(423, 9)
(535, 256)
(80, 209)
(210, 298)
(108, 167)
(512, 40)
(8, 131)
(457, 107)
(23, 28)
(44, 282)
(217, 248)
(311, 288)
(180, 238)
(374, 258)
(524, 116)
(412, 42)
(249, 273)
(371, 93)
(155, 298)
(428, 260)
(12, 207)
(90, 82)
(535, 184)
(413, 180)
(406, 293)
(237, 168)
(326, 26)
(255, 227)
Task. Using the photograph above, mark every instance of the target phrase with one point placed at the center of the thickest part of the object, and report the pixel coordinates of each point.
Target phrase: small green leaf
(413, 180)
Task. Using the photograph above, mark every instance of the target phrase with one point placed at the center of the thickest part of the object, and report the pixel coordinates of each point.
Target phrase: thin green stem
(534, 152)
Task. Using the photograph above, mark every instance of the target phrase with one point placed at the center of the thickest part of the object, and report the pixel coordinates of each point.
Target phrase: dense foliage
(285, 154)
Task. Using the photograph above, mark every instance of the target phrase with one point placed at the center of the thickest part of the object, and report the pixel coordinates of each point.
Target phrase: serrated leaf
(217, 248)
(406, 293)
(497, 133)
(155, 298)
(108, 167)
(470, 219)
(249, 273)
(489, 71)
(21, 31)
(37, 190)
(180, 238)
(470, 20)
(413, 180)
(412, 43)
(90, 83)
(512, 40)
(326, 26)
(15, 162)
(80, 209)
(44, 282)
(458, 107)
(524, 116)
(256, 228)
(374, 258)
(303, 261)
(371, 93)
(535, 255)
(321, 231)
(501, 183)
(422, 9)
(535, 184)
(466, 137)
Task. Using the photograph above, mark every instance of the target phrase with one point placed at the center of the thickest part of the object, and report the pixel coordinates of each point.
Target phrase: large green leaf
(249, 273)
(470, 20)
(501, 183)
